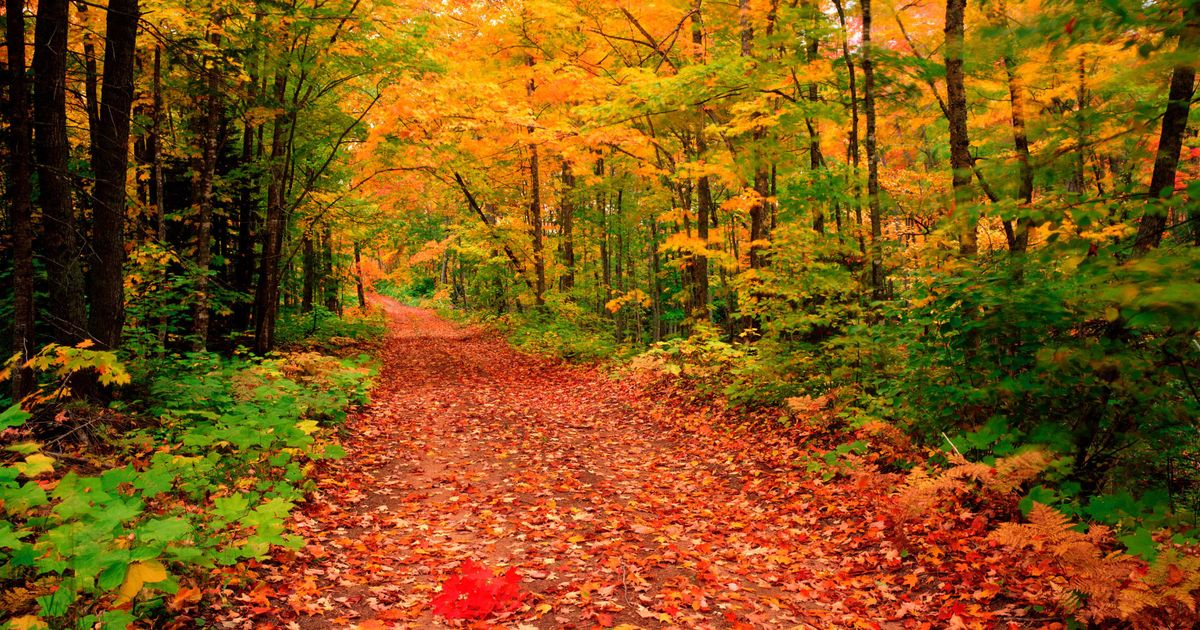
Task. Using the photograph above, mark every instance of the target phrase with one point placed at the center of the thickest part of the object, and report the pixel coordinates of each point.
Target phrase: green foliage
(209, 484)
(322, 329)
(560, 328)
(418, 289)
(1088, 355)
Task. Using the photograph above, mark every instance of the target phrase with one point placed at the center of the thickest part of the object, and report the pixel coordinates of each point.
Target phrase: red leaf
(476, 593)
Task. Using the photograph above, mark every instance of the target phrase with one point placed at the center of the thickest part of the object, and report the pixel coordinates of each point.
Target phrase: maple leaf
(475, 592)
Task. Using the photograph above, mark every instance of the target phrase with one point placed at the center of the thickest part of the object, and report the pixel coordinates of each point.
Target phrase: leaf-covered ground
(614, 504)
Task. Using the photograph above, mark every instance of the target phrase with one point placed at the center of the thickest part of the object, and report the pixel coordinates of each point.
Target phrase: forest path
(610, 512)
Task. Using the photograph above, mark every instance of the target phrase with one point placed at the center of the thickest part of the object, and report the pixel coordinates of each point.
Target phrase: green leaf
(14, 416)
(1141, 543)
(165, 530)
(1037, 494)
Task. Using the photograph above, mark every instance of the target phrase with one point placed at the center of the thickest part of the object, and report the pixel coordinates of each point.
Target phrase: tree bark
(210, 145)
(704, 203)
(535, 211)
(68, 316)
(567, 225)
(308, 269)
(1170, 140)
(266, 295)
(852, 152)
(1020, 241)
(761, 183)
(815, 161)
(868, 65)
(20, 196)
(156, 152)
(329, 279)
(956, 112)
(358, 276)
(111, 163)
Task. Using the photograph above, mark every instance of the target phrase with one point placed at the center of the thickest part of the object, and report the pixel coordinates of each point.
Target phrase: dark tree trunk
(814, 131)
(960, 144)
(20, 195)
(308, 269)
(210, 146)
(332, 287)
(111, 163)
(266, 297)
(1020, 241)
(852, 153)
(358, 276)
(243, 265)
(868, 65)
(68, 316)
(91, 76)
(1170, 140)
(156, 151)
(704, 207)
(655, 288)
(567, 226)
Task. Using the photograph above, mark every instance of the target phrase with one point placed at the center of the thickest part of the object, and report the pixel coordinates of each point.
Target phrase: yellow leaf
(26, 622)
(35, 465)
(139, 574)
(309, 427)
(543, 609)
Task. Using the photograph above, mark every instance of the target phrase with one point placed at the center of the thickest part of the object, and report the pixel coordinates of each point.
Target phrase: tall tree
(110, 163)
(961, 164)
(868, 67)
(204, 185)
(68, 317)
(19, 186)
(1174, 124)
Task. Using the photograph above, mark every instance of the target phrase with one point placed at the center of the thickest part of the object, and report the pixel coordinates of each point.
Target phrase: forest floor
(616, 506)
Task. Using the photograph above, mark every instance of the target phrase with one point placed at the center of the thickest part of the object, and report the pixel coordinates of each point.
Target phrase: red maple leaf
(475, 593)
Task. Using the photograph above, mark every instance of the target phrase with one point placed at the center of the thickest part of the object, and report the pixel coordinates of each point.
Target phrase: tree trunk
(266, 296)
(91, 75)
(815, 160)
(960, 144)
(567, 225)
(868, 66)
(358, 276)
(308, 269)
(20, 196)
(208, 171)
(704, 206)
(243, 266)
(1020, 242)
(156, 151)
(852, 153)
(332, 287)
(535, 207)
(111, 164)
(1170, 140)
(68, 316)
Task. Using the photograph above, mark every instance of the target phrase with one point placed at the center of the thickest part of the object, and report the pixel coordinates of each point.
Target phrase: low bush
(323, 330)
(562, 329)
(206, 482)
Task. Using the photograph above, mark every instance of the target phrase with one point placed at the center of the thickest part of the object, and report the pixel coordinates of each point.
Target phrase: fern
(1102, 585)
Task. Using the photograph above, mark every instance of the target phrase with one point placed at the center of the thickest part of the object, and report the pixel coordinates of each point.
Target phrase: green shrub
(209, 484)
(560, 328)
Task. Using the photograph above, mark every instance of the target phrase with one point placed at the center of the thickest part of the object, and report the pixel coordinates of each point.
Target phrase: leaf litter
(488, 488)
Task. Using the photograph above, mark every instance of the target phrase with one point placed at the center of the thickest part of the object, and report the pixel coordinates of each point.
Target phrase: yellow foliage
(138, 575)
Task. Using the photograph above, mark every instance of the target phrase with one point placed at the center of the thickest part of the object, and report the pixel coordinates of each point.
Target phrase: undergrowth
(192, 470)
